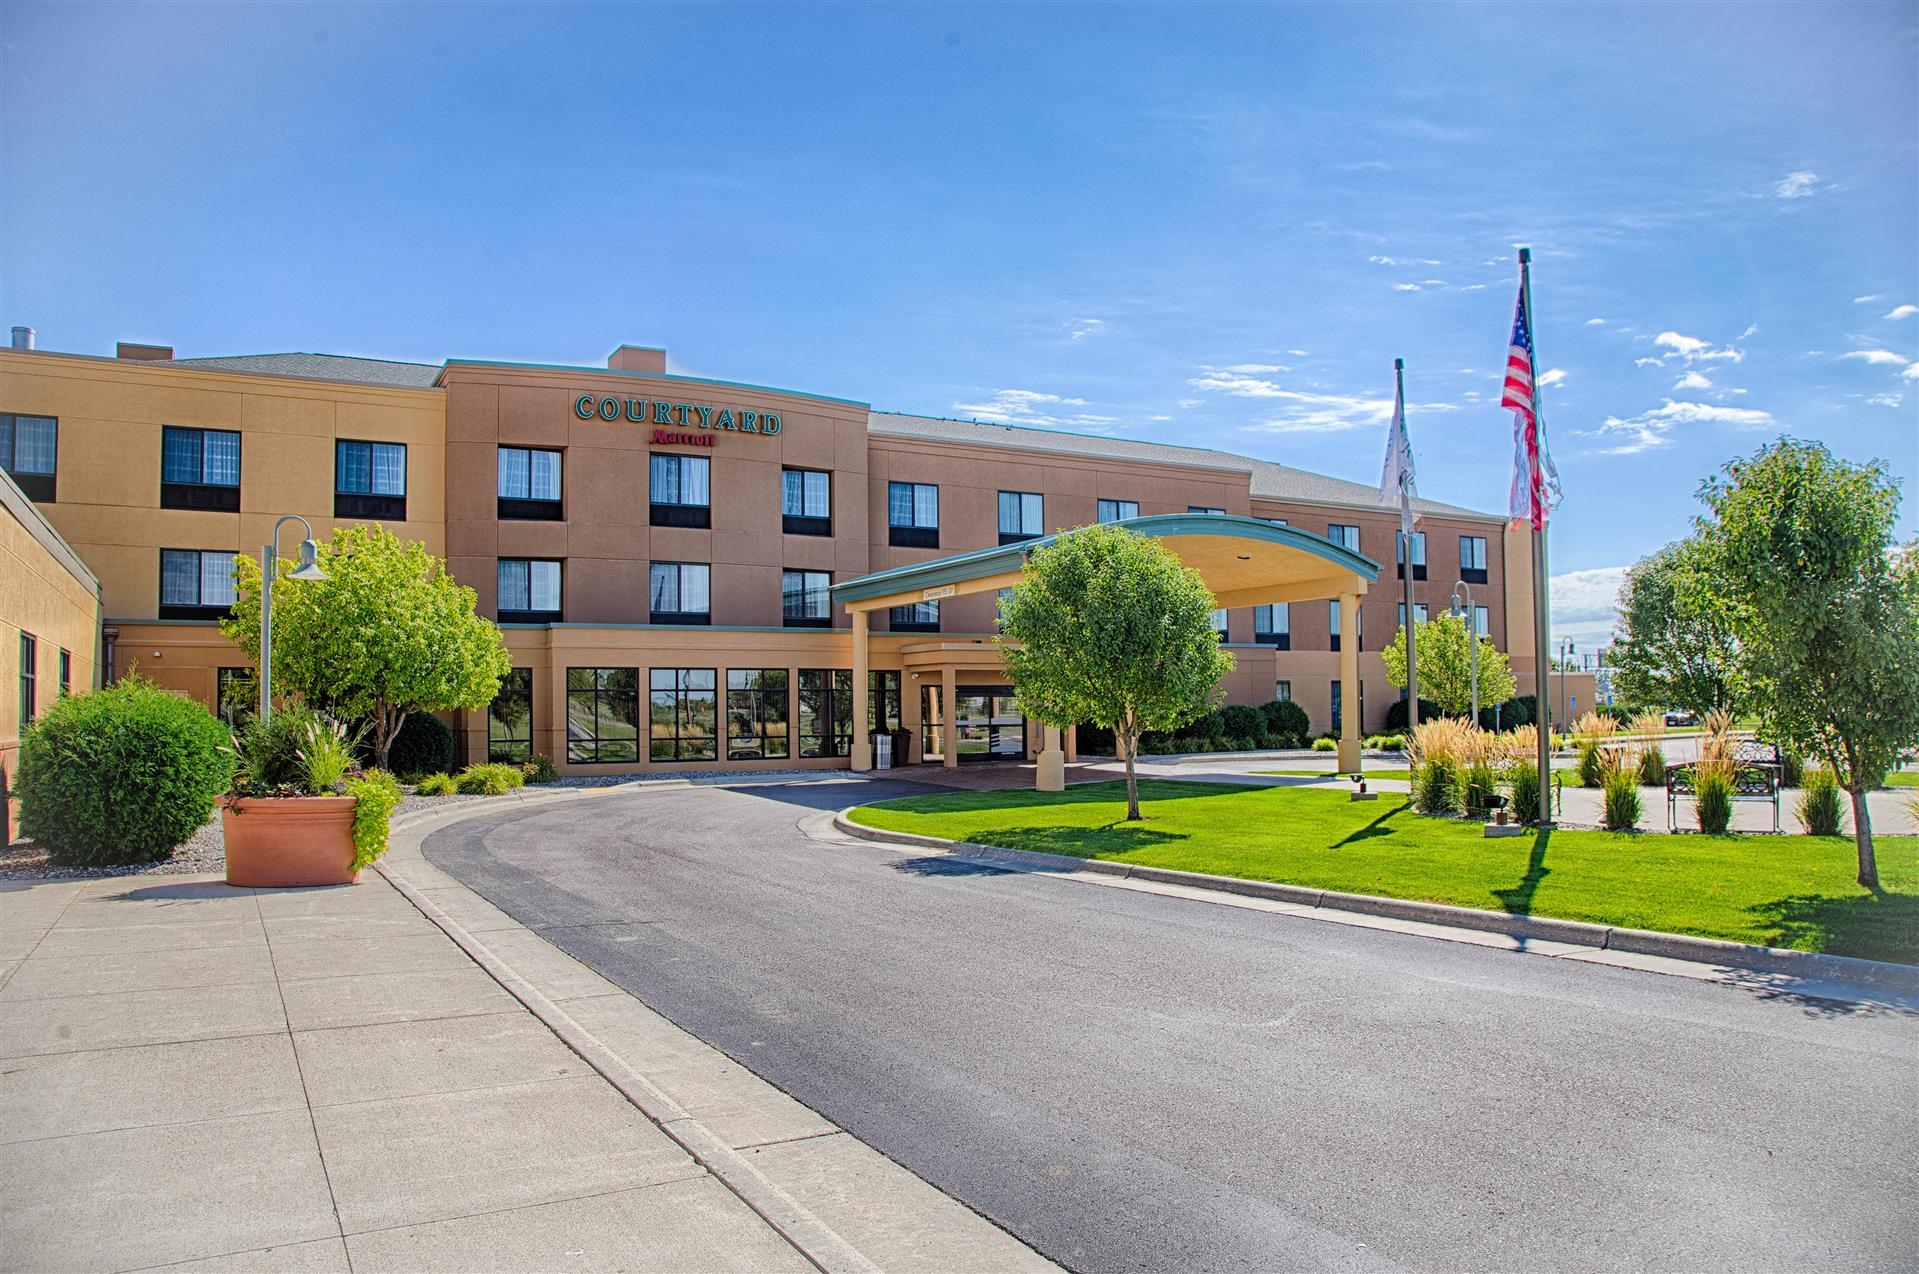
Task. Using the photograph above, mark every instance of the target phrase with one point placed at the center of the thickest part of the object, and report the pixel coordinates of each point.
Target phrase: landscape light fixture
(1463, 607)
(307, 571)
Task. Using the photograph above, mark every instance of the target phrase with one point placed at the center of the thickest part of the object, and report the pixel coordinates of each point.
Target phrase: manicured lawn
(1898, 778)
(1371, 773)
(1784, 891)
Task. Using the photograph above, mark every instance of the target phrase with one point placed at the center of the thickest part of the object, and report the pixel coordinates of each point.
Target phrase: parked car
(1679, 716)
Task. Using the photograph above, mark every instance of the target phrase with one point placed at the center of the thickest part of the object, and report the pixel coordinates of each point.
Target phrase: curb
(1901, 979)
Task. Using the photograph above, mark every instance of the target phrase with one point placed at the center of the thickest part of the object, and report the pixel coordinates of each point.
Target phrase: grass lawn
(1903, 778)
(1371, 773)
(1783, 891)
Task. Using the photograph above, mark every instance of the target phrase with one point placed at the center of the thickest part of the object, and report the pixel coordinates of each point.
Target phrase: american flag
(1535, 482)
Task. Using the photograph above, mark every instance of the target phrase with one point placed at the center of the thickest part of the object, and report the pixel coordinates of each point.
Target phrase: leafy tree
(1110, 627)
(1445, 666)
(1673, 646)
(1826, 607)
(387, 633)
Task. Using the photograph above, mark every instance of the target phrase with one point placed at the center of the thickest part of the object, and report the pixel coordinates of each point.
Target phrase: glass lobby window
(756, 714)
(196, 583)
(509, 719)
(602, 715)
(806, 600)
(681, 725)
(529, 590)
(1273, 625)
(883, 701)
(29, 449)
(920, 617)
(1332, 608)
(681, 490)
(369, 480)
(806, 502)
(913, 515)
(200, 469)
(1419, 553)
(1116, 510)
(1339, 703)
(678, 593)
(1343, 534)
(529, 484)
(236, 692)
(1283, 691)
(1472, 558)
(826, 712)
(1204, 508)
(1022, 516)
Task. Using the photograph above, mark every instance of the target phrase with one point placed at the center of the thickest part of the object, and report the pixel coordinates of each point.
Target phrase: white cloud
(1693, 350)
(1650, 429)
(1187, 404)
(1752, 329)
(1037, 409)
(1692, 380)
(1904, 311)
(1911, 372)
(1303, 411)
(1080, 329)
(1595, 322)
(1798, 185)
(1649, 362)
(1298, 353)
(1402, 261)
(1552, 376)
(1869, 298)
(1885, 400)
(1255, 369)
(1682, 345)
(1406, 287)
(1878, 357)
(1587, 595)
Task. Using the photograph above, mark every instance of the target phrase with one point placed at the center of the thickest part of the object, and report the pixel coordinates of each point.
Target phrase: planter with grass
(299, 812)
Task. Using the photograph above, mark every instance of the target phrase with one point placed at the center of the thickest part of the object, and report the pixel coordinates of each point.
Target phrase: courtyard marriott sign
(643, 411)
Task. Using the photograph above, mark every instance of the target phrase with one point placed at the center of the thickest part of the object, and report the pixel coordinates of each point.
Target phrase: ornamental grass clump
(1714, 776)
(1594, 725)
(438, 785)
(1652, 765)
(494, 778)
(1818, 806)
(1619, 779)
(1522, 782)
(1648, 725)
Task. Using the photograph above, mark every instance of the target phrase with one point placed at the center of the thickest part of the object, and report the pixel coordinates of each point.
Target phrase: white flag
(1396, 478)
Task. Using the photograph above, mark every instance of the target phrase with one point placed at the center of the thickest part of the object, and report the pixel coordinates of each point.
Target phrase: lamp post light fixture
(1463, 607)
(308, 569)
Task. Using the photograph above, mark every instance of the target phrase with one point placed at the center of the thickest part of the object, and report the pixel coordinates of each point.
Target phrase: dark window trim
(793, 524)
(1419, 570)
(531, 617)
(512, 509)
(29, 677)
(697, 516)
(1011, 537)
(182, 610)
(831, 740)
(506, 616)
(895, 627)
(913, 537)
(376, 508)
(206, 497)
(685, 618)
(1472, 575)
(1278, 641)
(798, 621)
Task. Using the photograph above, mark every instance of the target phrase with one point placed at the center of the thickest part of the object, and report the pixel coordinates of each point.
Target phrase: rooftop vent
(142, 353)
(23, 338)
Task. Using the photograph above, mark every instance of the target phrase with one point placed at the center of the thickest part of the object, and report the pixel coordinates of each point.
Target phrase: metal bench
(1758, 772)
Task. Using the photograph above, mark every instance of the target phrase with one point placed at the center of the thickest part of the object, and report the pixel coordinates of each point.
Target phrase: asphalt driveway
(1136, 1082)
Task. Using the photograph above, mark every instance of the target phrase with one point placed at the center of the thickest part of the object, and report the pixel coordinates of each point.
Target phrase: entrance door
(986, 719)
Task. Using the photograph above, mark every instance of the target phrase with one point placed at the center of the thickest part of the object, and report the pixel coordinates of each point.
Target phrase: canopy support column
(1349, 683)
(862, 741)
(1051, 775)
(949, 721)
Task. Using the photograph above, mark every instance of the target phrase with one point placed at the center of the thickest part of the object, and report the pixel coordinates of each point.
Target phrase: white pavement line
(1792, 973)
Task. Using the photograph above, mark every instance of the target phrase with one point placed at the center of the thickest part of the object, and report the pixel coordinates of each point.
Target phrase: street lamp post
(1463, 607)
(1565, 657)
(308, 569)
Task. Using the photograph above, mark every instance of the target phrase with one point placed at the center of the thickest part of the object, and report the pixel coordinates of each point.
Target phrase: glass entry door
(987, 722)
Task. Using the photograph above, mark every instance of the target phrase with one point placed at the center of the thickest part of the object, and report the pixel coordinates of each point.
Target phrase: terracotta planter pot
(283, 841)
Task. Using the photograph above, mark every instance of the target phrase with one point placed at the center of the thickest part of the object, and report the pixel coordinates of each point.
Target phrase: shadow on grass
(1882, 927)
(1111, 840)
(1375, 828)
(1518, 900)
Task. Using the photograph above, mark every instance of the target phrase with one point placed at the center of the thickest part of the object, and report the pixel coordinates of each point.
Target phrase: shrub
(1242, 720)
(492, 778)
(1652, 766)
(1287, 720)
(1592, 763)
(1523, 782)
(1712, 799)
(325, 755)
(374, 794)
(1818, 806)
(1387, 743)
(1325, 744)
(424, 745)
(1523, 710)
(1239, 743)
(1619, 776)
(1270, 742)
(1396, 714)
(540, 768)
(1185, 743)
(1207, 725)
(269, 751)
(438, 785)
(122, 775)
(1437, 788)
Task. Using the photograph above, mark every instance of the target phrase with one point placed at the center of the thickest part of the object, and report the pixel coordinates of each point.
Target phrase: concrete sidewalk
(286, 1079)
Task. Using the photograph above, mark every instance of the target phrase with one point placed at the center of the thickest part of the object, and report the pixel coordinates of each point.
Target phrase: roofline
(673, 376)
(21, 506)
(1000, 559)
(171, 365)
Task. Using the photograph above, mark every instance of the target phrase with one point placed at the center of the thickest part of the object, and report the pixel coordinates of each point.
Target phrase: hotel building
(669, 556)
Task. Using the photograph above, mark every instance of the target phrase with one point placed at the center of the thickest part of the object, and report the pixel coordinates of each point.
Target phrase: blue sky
(1212, 225)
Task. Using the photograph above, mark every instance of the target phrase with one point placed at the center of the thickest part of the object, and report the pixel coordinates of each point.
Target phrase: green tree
(1445, 666)
(1673, 646)
(387, 633)
(1826, 608)
(1109, 627)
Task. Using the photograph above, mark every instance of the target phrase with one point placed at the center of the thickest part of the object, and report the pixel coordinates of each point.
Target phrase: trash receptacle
(882, 751)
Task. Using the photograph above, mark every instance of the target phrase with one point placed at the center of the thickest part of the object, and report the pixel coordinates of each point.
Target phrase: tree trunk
(1862, 837)
(1129, 746)
(386, 729)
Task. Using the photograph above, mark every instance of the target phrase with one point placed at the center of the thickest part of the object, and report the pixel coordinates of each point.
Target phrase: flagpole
(1542, 619)
(1406, 552)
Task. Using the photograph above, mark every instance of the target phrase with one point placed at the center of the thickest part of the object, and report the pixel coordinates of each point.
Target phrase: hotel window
(678, 593)
(1343, 534)
(66, 672)
(756, 714)
(1339, 702)
(1277, 521)
(681, 490)
(920, 617)
(1219, 622)
(882, 701)
(29, 448)
(912, 515)
(236, 691)
(1332, 609)
(529, 485)
(999, 604)
(1472, 558)
(1273, 625)
(200, 469)
(1419, 613)
(806, 599)
(29, 678)
(1022, 516)
(369, 480)
(1116, 510)
(529, 590)
(1283, 691)
(806, 502)
(1204, 508)
(1482, 621)
(1419, 553)
(602, 715)
(684, 707)
(196, 583)
(509, 719)
(826, 712)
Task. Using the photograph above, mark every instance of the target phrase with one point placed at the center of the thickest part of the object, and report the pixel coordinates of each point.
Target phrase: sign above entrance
(934, 594)
(644, 411)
